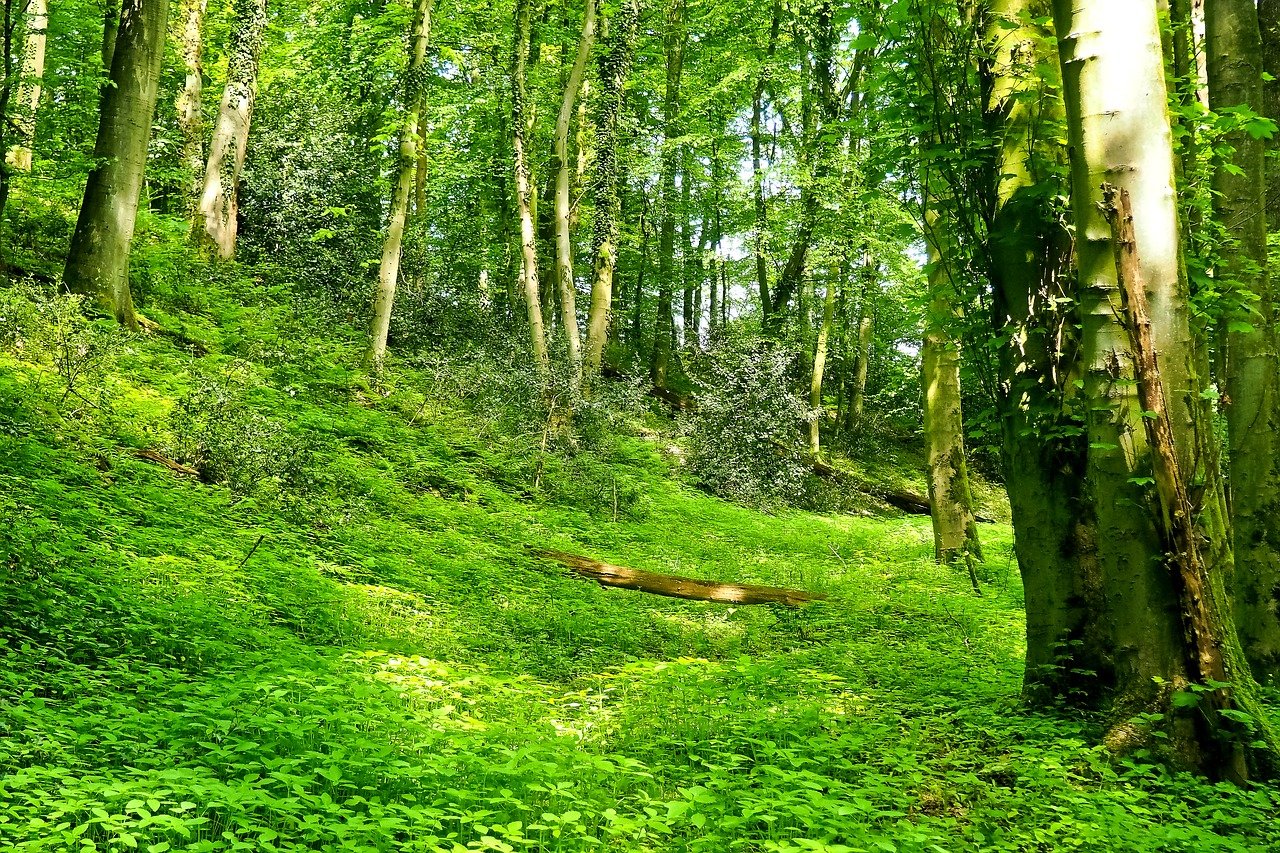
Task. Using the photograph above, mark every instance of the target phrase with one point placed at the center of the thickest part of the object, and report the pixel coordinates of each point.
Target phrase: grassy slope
(390, 670)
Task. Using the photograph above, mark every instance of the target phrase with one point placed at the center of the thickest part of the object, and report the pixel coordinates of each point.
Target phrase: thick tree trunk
(218, 202)
(560, 159)
(1234, 48)
(98, 261)
(406, 176)
(187, 104)
(1114, 89)
(664, 323)
(522, 125)
(1269, 22)
(24, 120)
(615, 65)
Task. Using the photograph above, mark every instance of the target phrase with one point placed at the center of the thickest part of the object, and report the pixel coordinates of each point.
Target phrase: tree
(560, 158)
(218, 202)
(615, 66)
(1165, 613)
(406, 174)
(675, 38)
(24, 121)
(1234, 48)
(98, 260)
(188, 102)
(522, 126)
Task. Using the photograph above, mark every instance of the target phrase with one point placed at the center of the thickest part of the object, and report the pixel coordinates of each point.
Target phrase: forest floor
(346, 644)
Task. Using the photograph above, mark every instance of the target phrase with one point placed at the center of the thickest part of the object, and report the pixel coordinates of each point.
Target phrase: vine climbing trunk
(615, 66)
(414, 86)
(216, 215)
(98, 260)
(563, 206)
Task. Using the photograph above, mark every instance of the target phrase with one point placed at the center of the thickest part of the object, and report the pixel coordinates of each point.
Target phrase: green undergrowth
(337, 637)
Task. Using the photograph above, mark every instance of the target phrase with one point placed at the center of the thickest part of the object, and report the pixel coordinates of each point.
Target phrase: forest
(640, 425)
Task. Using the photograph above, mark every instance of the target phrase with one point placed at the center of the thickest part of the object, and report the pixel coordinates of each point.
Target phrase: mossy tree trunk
(218, 201)
(1252, 405)
(407, 167)
(98, 261)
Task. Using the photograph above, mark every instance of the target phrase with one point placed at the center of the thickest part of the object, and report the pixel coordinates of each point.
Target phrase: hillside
(337, 639)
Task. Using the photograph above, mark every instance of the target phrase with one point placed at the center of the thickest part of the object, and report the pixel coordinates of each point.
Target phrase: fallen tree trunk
(160, 459)
(674, 586)
(904, 500)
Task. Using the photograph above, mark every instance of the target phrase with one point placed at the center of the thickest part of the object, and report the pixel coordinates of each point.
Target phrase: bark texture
(218, 201)
(98, 260)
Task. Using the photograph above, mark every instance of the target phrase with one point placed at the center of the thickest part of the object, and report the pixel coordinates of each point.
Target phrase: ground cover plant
(362, 654)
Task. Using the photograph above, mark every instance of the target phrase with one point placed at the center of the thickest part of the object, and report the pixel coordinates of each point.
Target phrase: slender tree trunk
(24, 122)
(1118, 127)
(218, 201)
(560, 159)
(819, 368)
(110, 27)
(98, 261)
(406, 174)
(187, 104)
(522, 125)
(1269, 21)
(1234, 48)
(615, 66)
(664, 324)
(637, 304)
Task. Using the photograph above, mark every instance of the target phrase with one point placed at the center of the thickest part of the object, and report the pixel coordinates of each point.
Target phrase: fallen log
(674, 586)
(907, 501)
(160, 459)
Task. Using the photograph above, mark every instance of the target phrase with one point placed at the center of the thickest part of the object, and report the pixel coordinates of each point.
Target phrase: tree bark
(1269, 22)
(1234, 48)
(615, 66)
(187, 104)
(819, 368)
(560, 159)
(521, 126)
(98, 260)
(414, 86)
(218, 202)
(757, 163)
(24, 121)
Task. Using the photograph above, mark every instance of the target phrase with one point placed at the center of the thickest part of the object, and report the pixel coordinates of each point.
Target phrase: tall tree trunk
(98, 261)
(615, 66)
(218, 201)
(675, 37)
(24, 122)
(560, 160)
(1118, 128)
(110, 28)
(187, 104)
(406, 175)
(521, 126)
(1234, 48)
(1269, 21)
